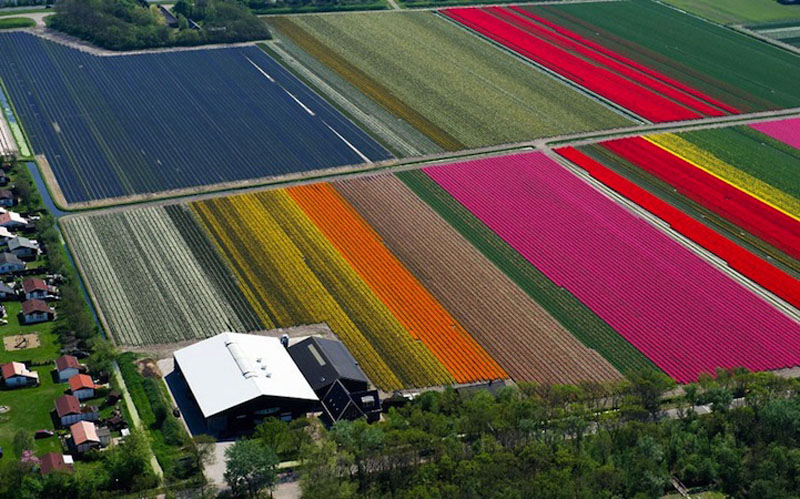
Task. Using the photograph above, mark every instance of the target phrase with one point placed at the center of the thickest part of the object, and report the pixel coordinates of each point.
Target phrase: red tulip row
(743, 261)
(641, 90)
(740, 208)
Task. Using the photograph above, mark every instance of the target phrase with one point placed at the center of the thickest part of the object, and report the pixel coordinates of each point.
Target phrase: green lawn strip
(147, 400)
(561, 304)
(49, 348)
(30, 411)
(16, 22)
(731, 66)
(759, 155)
(739, 11)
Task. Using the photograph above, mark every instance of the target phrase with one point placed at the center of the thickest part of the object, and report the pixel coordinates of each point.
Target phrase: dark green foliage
(298, 6)
(250, 468)
(531, 441)
(754, 153)
(127, 25)
(565, 307)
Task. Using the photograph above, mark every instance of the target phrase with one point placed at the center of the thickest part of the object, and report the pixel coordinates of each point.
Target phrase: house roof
(230, 369)
(12, 369)
(319, 357)
(6, 194)
(53, 462)
(33, 284)
(22, 242)
(31, 306)
(7, 257)
(67, 361)
(5, 233)
(67, 404)
(11, 216)
(84, 431)
(80, 382)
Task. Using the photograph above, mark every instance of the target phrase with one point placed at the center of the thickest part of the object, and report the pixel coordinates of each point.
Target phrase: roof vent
(240, 359)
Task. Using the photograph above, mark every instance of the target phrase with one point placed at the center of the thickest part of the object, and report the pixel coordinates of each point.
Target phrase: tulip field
(118, 126)
(627, 52)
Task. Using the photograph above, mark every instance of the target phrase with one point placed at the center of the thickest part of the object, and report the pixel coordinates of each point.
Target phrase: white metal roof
(232, 368)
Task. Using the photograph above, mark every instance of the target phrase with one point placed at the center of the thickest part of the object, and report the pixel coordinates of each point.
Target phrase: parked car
(43, 434)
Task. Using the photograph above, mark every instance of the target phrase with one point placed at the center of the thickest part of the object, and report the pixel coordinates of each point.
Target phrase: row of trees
(127, 25)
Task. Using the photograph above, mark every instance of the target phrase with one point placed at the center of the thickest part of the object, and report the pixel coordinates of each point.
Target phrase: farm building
(70, 411)
(336, 378)
(67, 366)
(36, 289)
(7, 198)
(9, 263)
(23, 247)
(84, 437)
(82, 386)
(35, 311)
(53, 461)
(239, 379)
(16, 375)
(7, 292)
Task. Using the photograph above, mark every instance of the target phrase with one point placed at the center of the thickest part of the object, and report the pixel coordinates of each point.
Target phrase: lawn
(739, 11)
(49, 348)
(737, 69)
(16, 22)
(455, 88)
(30, 411)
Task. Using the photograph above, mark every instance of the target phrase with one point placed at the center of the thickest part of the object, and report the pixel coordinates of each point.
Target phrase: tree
(251, 467)
(128, 464)
(22, 441)
(320, 477)
(648, 387)
(102, 356)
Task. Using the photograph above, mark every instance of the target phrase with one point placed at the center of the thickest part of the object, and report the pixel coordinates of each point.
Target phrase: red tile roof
(31, 306)
(67, 361)
(53, 462)
(67, 404)
(16, 369)
(34, 284)
(84, 431)
(79, 382)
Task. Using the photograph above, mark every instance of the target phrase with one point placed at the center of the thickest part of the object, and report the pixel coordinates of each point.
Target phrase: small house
(9, 263)
(53, 461)
(6, 235)
(35, 311)
(67, 366)
(7, 292)
(23, 247)
(16, 375)
(83, 437)
(34, 288)
(82, 386)
(70, 411)
(12, 220)
(7, 198)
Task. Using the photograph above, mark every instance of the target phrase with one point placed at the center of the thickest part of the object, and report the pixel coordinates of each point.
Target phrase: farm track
(527, 342)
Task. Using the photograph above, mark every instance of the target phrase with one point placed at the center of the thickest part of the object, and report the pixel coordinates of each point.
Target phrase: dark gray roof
(341, 358)
(9, 258)
(5, 288)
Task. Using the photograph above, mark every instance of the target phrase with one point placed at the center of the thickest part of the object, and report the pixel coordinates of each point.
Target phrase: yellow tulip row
(710, 163)
(292, 275)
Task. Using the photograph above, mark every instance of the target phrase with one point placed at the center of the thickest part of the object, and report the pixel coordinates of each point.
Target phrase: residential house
(67, 366)
(35, 311)
(7, 198)
(6, 235)
(12, 220)
(7, 292)
(9, 263)
(70, 411)
(83, 437)
(23, 247)
(53, 461)
(34, 288)
(16, 375)
(82, 386)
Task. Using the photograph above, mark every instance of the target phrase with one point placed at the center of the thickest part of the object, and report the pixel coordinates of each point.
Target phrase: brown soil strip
(528, 343)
